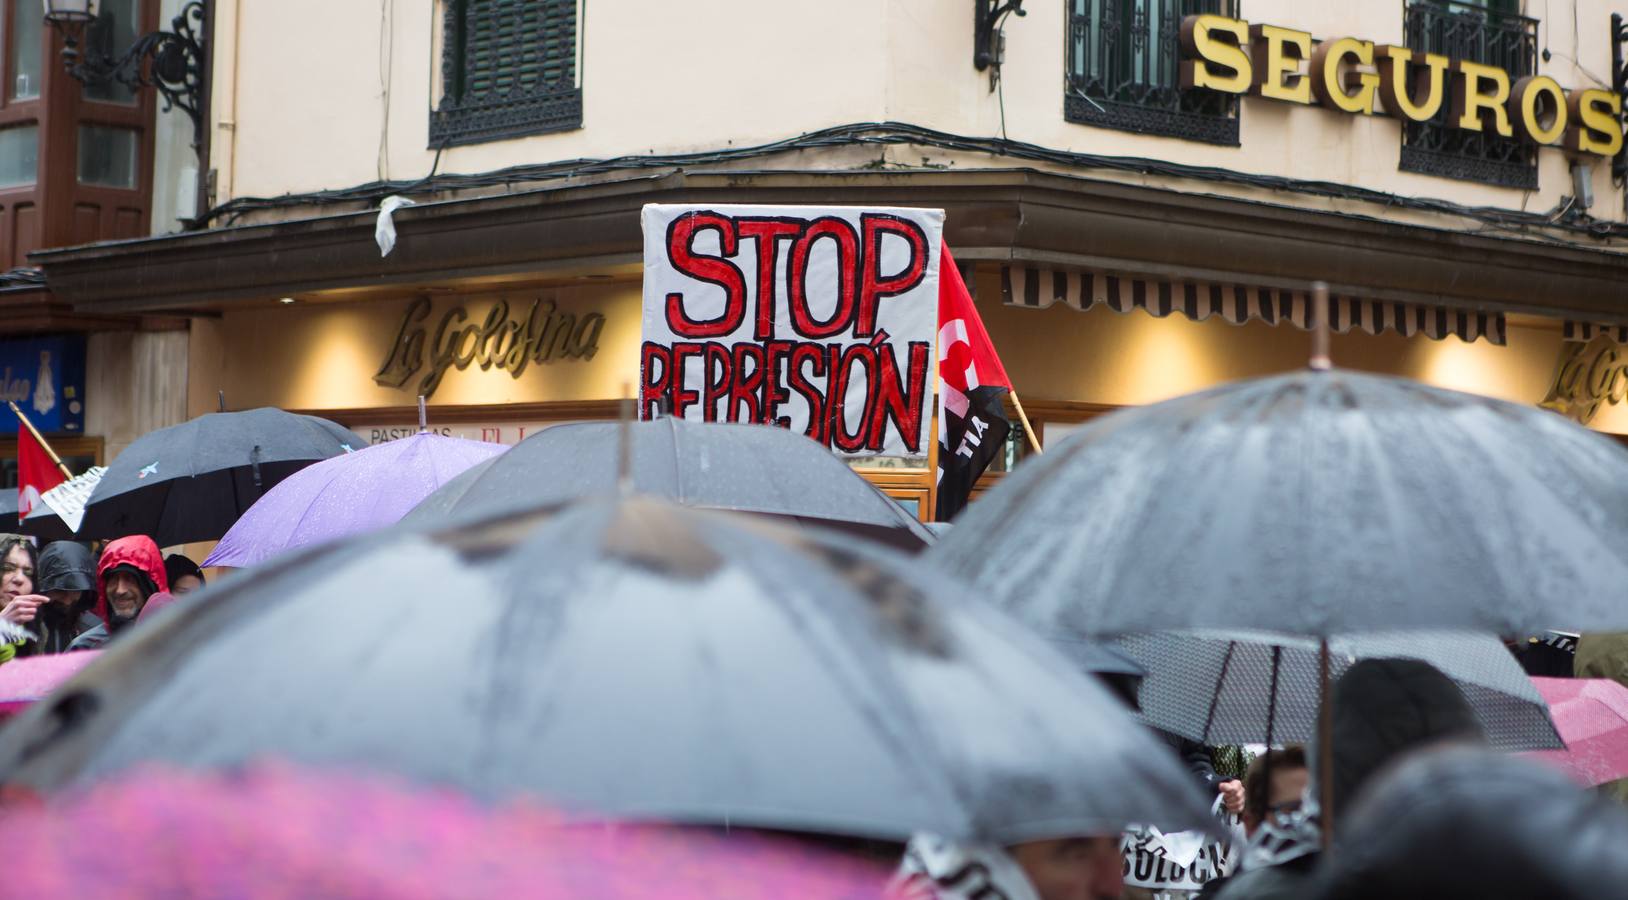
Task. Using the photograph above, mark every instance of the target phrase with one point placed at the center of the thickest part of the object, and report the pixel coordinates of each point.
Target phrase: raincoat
(1605, 656)
(139, 552)
(63, 566)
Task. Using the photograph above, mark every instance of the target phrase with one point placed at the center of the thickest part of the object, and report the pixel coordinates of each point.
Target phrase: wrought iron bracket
(988, 16)
(173, 62)
(1619, 83)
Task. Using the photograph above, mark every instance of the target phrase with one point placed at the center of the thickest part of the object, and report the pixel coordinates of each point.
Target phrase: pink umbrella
(23, 681)
(275, 832)
(1591, 715)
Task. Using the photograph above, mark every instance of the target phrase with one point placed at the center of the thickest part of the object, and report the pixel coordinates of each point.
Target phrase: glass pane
(26, 40)
(107, 156)
(19, 155)
(110, 36)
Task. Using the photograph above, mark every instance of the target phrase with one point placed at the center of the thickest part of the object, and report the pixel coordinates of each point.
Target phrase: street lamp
(172, 61)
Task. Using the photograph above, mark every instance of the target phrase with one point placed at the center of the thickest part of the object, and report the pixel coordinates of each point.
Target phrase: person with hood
(1384, 710)
(67, 579)
(130, 573)
(184, 575)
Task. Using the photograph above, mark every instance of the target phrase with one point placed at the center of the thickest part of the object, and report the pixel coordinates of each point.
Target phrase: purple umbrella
(347, 494)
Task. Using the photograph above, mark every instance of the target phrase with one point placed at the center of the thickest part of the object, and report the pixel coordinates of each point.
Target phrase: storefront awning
(1081, 289)
(1583, 332)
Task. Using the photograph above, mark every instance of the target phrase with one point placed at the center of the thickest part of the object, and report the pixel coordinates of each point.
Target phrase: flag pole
(1024, 418)
(39, 437)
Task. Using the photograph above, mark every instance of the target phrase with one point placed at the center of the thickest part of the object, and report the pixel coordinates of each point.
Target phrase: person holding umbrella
(131, 573)
(18, 602)
(184, 574)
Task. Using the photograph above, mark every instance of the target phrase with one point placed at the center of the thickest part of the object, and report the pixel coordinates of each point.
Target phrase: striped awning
(1584, 332)
(1039, 287)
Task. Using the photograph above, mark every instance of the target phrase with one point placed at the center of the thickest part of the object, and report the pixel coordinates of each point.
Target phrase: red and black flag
(972, 389)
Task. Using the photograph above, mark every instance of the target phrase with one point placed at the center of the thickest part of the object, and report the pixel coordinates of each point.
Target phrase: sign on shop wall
(509, 433)
(507, 336)
(1588, 376)
(45, 377)
(1361, 77)
(817, 319)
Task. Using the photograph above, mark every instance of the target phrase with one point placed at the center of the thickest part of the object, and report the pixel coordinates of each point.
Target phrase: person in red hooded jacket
(128, 576)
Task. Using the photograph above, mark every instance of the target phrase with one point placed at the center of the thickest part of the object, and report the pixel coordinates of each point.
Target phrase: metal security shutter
(508, 68)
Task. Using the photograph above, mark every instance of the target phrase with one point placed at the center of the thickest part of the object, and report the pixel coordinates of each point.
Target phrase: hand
(1232, 795)
(22, 610)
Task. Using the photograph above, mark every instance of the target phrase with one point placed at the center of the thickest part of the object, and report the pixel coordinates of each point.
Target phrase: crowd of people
(65, 597)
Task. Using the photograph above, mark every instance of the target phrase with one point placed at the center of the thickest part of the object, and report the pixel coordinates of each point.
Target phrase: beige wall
(135, 382)
(300, 108)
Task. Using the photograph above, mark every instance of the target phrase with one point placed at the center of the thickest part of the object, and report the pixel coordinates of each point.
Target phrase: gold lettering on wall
(543, 334)
(1587, 376)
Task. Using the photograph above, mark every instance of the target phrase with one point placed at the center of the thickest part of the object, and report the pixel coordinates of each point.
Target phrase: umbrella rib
(1215, 700)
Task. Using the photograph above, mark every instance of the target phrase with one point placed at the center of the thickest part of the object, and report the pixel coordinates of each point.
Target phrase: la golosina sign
(1364, 78)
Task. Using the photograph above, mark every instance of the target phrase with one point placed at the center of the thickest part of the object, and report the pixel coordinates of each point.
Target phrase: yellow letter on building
(1213, 54)
(1278, 53)
(1327, 76)
(1400, 92)
(1596, 122)
(1527, 106)
(1470, 100)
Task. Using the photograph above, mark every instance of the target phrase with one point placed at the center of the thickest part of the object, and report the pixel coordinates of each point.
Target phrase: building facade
(1142, 191)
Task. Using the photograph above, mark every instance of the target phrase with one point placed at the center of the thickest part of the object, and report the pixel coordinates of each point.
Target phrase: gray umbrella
(747, 468)
(1317, 503)
(635, 659)
(1220, 688)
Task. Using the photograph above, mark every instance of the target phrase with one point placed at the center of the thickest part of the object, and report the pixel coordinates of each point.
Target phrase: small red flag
(972, 389)
(36, 473)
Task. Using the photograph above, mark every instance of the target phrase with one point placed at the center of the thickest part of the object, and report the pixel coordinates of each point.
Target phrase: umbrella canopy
(636, 659)
(1592, 715)
(745, 468)
(1319, 502)
(62, 508)
(1219, 688)
(276, 832)
(348, 494)
(26, 681)
(190, 482)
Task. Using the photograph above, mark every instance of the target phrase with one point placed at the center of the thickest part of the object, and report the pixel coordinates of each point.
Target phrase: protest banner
(817, 319)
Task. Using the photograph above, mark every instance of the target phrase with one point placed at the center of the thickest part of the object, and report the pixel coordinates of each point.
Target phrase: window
(19, 155)
(110, 36)
(508, 68)
(26, 40)
(1489, 32)
(1122, 64)
(107, 156)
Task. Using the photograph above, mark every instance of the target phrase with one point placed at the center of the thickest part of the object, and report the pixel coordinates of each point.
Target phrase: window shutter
(509, 67)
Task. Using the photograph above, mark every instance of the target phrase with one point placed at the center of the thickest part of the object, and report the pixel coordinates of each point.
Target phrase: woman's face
(17, 573)
(185, 584)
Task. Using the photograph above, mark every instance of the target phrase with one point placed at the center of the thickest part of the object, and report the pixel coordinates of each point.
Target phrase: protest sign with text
(817, 319)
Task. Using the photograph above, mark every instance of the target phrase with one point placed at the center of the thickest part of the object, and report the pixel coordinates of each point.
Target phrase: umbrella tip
(423, 420)
(220, 400)
(1320, 361)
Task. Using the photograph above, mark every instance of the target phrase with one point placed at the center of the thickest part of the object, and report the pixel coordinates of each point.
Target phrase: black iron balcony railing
(1488, 36)
(1122, 70)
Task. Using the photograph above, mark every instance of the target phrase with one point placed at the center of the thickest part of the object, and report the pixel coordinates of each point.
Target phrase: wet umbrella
(636, 659)
(190, 482)
(348, 494)
(277, 832)
(1220, 687)
(1592, 715)
(26, 681)
(1316, 503)
(746, 468)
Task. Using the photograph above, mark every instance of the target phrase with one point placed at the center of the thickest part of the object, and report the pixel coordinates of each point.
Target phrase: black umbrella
(631, 658)
(745, 468)
(1315, 503)
(1229, 687)
(190, 482)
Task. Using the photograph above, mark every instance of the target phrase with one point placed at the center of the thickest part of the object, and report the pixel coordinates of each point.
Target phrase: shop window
(1122, 65)
(107, 156)
(26, 43)
(508, 68)
(1491, 32)
(19, 155)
